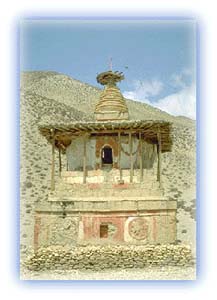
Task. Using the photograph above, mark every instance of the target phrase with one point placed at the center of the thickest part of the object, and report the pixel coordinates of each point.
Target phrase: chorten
(111, 105)
(112, 189)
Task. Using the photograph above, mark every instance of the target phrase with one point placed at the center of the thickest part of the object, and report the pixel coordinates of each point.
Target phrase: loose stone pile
(109, 257)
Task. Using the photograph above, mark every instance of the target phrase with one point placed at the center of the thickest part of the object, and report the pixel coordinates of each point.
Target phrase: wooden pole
(85, 159)
(159, 157)
(60, 163)
(140, 156)
(119, 154)
(131, 157)
(53, 161)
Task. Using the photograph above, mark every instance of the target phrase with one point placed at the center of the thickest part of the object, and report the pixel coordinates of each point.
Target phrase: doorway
(103, 230)
(107, 155)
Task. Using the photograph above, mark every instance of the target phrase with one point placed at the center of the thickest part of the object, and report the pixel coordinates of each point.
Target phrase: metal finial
(110, 63)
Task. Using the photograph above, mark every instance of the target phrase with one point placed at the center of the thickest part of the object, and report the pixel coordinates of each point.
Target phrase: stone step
(113, 193)
(124, 192)
(94, 189)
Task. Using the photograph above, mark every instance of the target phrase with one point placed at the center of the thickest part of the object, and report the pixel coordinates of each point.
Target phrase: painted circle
(138, 229)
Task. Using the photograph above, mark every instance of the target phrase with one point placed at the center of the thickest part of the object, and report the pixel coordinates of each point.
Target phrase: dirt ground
(148, 273)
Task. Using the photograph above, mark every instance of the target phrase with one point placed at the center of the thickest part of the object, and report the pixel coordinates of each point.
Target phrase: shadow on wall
(149, 156)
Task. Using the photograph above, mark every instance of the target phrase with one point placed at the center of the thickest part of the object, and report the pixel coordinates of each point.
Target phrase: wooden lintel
(148, 129)
(126, 131)
(92, 128)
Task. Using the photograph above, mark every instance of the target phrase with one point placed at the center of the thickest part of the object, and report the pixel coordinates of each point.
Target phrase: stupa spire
(111, 105)
(110, 64)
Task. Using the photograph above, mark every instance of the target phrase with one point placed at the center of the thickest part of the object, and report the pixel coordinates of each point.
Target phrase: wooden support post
(159, 157)
(60, 163)
(84, 158)
(119, 155)
(141, 156)
(131, 156)
(53, 161)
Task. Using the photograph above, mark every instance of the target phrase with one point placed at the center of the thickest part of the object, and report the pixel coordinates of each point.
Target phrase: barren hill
(50, 96)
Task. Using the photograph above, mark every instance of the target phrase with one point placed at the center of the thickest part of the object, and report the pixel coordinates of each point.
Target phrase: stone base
(113, 176)
(94, 222)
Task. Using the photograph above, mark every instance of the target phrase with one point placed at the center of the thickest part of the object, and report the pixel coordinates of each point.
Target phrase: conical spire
(112, 105)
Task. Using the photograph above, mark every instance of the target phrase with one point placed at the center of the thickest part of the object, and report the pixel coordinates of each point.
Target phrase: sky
(157, 57)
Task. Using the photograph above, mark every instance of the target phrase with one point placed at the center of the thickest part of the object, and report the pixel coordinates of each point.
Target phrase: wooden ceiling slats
(148, 128)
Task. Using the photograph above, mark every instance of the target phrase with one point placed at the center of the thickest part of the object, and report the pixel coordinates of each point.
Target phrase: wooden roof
(64, 133)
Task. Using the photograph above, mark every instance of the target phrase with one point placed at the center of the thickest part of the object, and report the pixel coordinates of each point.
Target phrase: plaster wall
(91, 228)
(148, 227)
(151, 228)
(75, 153)
(55, 229)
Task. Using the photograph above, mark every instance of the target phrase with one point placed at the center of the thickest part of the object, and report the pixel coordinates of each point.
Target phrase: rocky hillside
(57, 97)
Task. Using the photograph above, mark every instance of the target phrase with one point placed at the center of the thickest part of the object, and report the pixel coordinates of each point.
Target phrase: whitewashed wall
(75, 153)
